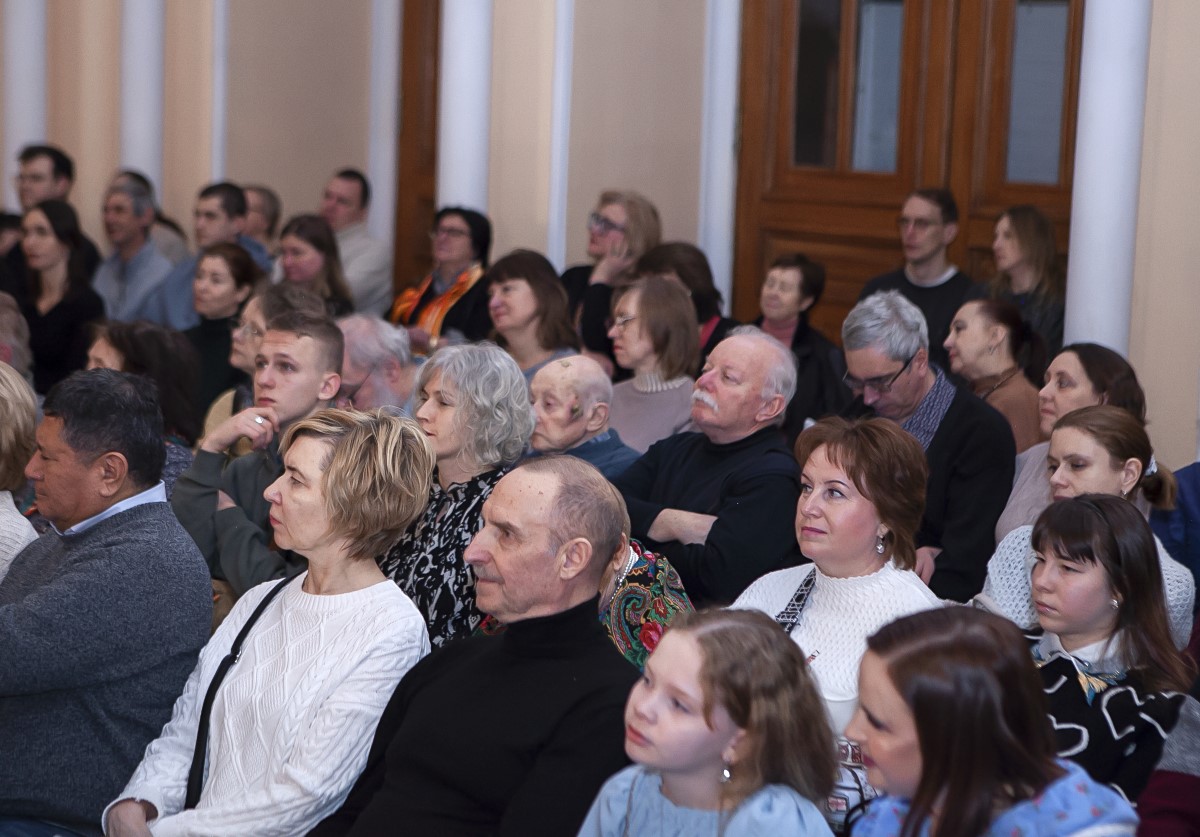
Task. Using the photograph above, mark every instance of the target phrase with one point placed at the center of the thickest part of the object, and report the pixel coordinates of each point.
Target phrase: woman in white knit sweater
(18, 420)
(862, 495)
(291, 723)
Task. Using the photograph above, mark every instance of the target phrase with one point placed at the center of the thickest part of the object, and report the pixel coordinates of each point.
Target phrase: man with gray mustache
(720, 503)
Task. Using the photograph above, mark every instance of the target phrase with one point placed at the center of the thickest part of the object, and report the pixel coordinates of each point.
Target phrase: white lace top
(835, 623)
(1008, 591)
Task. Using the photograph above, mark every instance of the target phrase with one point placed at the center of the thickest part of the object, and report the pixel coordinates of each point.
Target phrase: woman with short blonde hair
(18, 418)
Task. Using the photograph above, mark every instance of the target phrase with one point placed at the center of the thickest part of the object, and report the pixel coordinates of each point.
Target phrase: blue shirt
(155, 494)
(126, 287)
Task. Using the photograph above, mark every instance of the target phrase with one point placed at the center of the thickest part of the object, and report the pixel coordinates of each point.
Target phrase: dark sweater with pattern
(98, 633)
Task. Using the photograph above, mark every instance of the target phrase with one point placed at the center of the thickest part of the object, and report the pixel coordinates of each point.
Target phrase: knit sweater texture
(98, 632)
(293, 719)
(16, 532)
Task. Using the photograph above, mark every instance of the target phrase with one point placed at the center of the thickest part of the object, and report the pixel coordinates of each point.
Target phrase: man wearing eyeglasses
(968, 445)
(927, 224)
(378, 369)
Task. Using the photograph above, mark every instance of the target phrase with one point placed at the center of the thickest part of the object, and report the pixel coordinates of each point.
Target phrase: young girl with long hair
(953, 728)
(728, 736)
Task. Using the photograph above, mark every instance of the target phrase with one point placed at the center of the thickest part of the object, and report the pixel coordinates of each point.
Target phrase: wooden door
(849, 105)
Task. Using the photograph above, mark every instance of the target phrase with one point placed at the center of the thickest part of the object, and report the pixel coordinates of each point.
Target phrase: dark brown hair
(1111, 377)
(1124, 438)
(758, 674)
(245, 271)
(1024, 345)
(886, 464)
(812, 274)
(555, 330)
(1105, 530)
(315, 231)
(980, 714)
(666, 314)
(1035, 237)
(688, 262)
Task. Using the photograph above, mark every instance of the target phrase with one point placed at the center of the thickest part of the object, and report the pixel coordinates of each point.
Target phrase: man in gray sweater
(101, 618)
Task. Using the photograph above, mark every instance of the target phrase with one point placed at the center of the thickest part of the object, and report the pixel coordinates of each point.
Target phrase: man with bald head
(571, 400)
(720, 503)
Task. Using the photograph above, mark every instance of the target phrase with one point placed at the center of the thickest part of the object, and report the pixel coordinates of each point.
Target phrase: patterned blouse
(427, 562)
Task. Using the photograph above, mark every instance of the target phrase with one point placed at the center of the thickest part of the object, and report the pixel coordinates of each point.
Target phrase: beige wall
(1164, 336)
(187, 107)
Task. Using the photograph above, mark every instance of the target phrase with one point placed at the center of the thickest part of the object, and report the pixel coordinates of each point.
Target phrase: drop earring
(726, 773)
(879, 547)
(1114, 604)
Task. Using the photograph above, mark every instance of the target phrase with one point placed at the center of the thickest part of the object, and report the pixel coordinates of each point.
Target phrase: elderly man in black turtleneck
(515, 733)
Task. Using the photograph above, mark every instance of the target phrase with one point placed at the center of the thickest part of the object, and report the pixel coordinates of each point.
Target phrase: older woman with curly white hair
(473, 404)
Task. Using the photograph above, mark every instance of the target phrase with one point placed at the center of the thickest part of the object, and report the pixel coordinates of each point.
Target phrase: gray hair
(780, 378)
(494, 414)
(887, 322)
(370, 340)
(143, 200)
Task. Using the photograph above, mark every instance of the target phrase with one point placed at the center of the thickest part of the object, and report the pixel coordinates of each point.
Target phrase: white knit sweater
(1008, 589)
(15, 532)
(835, 623)
(293, 721)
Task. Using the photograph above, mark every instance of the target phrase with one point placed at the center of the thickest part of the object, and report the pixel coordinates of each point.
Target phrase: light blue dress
(632, 803)
(1071, 805)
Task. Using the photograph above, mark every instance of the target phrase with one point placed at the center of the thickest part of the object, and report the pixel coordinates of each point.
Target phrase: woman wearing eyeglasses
(451, 301)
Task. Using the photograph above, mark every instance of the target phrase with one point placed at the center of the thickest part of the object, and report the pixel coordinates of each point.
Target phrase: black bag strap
(196, 771)
(790, 615)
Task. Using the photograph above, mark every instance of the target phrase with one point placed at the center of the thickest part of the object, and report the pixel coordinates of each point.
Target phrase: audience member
(1108, 665)
(220, 215)
(378, 369)
(717, 502)
(928, 222)
(264, 211)
(297, 372)
(56, 299)
(292, 720)
(528, 308)
(14, 339)
(45, 173)
(990, 346)
(687, 264)
(537, 711)
(1093, 450)
(793, 285)
(968, 445)
(952, 722)
(165, 357)
(451, 302)
(1027, 274)
(640, 596)
(367, 261)
(727, 735)
(1170, 804)
(473, 404)
(168, 237)
(129, 277)
(862, 493)
(571, 399)
(1082, 375)
(226, 275)
(653, 337)
(18, 421)
(1178, 529)
(622, 227)
(308, 254)
(102, 617)
(10, 236)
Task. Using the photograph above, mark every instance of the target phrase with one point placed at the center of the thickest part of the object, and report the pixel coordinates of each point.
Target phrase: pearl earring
(879, 544)
(726, 774)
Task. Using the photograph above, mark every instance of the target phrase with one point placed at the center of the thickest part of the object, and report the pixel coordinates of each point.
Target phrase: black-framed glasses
(450, 232)
(347, 392)
(880, 385)
(603, 225)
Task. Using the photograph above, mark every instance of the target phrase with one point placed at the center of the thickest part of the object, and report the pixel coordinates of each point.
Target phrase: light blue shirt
(125, 287)
(157, 494)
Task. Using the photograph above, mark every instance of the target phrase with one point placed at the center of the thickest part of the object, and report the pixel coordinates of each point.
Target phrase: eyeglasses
(242, 328)
(881, 385)
(918, 224)
(619, 323)
(602, 225)
(347, 393)
(449, 232)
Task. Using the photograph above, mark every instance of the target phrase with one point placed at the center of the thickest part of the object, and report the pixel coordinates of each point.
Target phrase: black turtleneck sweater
(751, 486)
(497, 735)
(213, 339)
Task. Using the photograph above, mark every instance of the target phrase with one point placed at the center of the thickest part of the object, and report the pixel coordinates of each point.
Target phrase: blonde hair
(758, 674)
(375, 477)
(18, 423)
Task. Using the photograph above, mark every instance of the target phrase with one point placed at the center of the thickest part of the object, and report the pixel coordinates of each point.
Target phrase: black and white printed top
(427, 562)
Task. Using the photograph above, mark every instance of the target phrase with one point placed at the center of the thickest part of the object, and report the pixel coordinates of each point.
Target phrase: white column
(220, 87)
(718, 138)
(1108, 159)
(464, 103)
(384, 119)
(24, 84)
(560, 132)
(142, 87)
